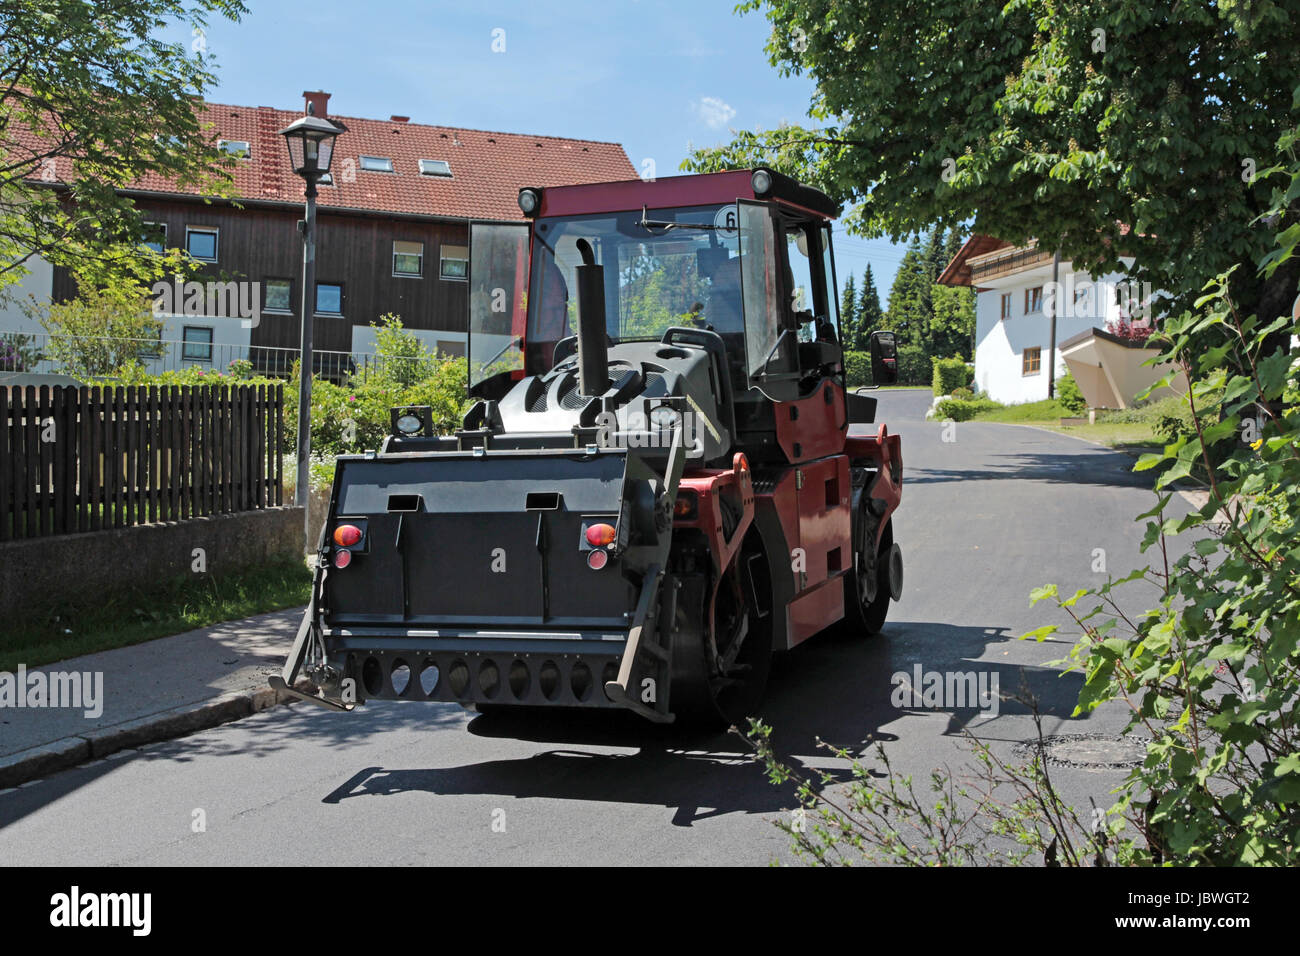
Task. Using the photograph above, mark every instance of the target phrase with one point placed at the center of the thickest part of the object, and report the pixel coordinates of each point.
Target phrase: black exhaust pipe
(593, 347)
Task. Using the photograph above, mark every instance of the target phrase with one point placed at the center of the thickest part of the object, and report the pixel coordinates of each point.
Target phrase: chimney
(400, 119)
(317, 103)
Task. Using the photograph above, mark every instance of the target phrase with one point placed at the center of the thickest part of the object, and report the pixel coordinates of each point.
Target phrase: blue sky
(656, 77)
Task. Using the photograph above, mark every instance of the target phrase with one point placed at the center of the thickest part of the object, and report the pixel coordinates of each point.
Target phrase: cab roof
(701, 189)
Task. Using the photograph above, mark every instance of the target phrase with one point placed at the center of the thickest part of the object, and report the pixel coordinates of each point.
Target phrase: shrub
(135, 373)
(962, 410)
(949, 374)
(913, 365)
(1070, 396)
(400, 356)
(241, 369)
(18, 353)
(355, 416)
(1130, 333)
(962, 393)
(1146, 413)
(857, 368)
(98, 332)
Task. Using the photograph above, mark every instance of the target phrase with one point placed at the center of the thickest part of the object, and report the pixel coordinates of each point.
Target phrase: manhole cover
(1088, 751)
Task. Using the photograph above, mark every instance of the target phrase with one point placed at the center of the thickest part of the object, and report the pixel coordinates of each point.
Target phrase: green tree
(956, 239)
(849, 314)
(953, 322)
(1072, 123)
(870, 315)
(936, 255)
(92, 100)
(909, 298)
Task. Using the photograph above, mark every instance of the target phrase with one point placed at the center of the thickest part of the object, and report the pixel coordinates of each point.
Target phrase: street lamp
(311, 147)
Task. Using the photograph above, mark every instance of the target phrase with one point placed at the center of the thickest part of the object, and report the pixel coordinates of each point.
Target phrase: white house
(1013, 312)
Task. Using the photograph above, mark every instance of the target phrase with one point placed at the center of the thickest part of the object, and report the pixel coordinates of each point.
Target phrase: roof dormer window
(435, 167)
(376, 164)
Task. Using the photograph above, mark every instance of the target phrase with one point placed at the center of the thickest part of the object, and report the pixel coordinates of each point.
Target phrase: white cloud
(716, 113)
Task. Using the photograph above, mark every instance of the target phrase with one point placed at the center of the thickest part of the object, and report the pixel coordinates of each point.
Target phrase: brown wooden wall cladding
(356, 252)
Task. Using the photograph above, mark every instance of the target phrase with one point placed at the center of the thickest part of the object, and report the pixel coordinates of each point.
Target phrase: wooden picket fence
(86, 459)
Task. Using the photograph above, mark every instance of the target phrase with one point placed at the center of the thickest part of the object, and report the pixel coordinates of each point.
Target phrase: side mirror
(884, 358)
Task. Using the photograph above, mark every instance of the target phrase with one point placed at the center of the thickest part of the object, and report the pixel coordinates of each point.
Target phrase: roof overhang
(958, 272)
(706, 189)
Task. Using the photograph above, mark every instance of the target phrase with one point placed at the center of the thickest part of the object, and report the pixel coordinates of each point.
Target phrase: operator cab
(755, 271)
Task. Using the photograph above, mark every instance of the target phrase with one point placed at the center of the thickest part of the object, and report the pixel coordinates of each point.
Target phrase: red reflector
(346, 535)
(342, 558)
(600, 535)
(597, 559)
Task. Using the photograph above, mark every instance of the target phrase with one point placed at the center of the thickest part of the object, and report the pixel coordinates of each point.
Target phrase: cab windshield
(662, 267)
(738, 269)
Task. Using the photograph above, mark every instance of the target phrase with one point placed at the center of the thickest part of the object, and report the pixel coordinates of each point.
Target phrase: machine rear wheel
(708, 696)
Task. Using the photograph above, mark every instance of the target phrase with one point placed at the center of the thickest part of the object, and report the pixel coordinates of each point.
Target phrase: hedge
(1070, 396)
(913, 367)
(961, 410)
(950, 374)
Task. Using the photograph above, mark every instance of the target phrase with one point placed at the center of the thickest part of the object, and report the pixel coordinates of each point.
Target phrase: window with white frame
(278, 295)
(329, 298)
(376, 164)
(201, 242)
(408, 259)
(454, 262)
(155, 236)
(196, 344)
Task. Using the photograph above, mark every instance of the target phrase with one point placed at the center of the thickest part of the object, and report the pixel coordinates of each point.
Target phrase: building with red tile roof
(392, 224)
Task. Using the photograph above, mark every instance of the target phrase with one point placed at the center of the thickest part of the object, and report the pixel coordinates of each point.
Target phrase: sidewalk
(151, 691)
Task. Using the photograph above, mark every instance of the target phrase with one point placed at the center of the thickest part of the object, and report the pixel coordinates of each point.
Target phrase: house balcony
(1001, 263)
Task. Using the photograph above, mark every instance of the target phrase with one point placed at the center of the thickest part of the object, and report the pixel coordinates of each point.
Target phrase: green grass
(1048, 410)
(1134, 431)
(1119, 435)
(132, 617)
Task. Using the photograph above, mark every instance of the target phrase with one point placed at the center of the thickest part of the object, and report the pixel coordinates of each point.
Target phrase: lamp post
(311, 147)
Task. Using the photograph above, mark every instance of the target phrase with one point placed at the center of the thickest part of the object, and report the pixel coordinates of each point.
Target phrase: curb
(36, 762)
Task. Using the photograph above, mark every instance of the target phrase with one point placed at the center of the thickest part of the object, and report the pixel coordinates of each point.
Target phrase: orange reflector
(600, 535)
(342, 559)
(597, 559)
(684, 506)
(346, 535)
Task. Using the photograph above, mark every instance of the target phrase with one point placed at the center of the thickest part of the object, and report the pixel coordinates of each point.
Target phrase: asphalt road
(984, 519)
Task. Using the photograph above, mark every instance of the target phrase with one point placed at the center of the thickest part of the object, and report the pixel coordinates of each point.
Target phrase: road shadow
(1099, 467)
(838, 688)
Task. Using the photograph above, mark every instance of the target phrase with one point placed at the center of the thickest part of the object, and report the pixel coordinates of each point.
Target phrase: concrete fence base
(73, 569)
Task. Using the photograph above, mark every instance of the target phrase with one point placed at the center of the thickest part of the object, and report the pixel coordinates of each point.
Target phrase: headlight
(409, 424)
(530, 200)
(664, 418)
(761, 181)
